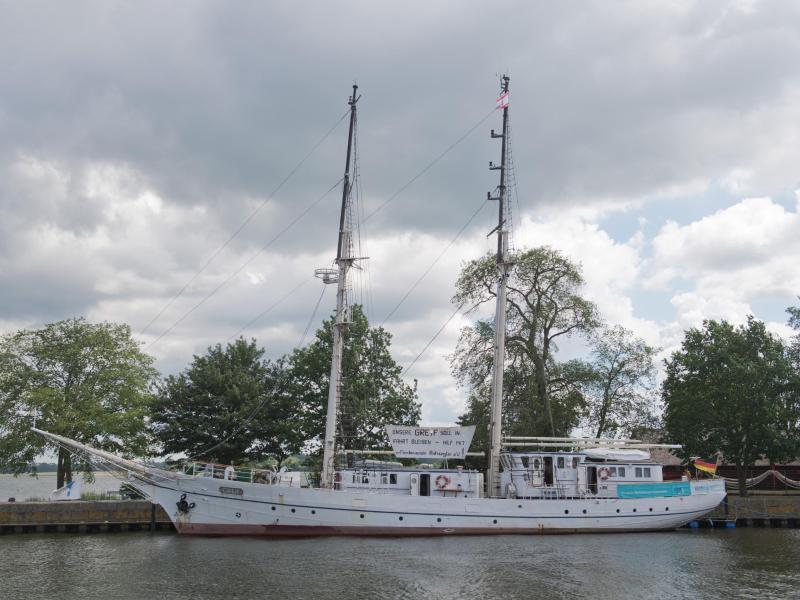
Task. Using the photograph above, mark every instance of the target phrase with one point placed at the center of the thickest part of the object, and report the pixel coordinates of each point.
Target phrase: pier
(79, 516)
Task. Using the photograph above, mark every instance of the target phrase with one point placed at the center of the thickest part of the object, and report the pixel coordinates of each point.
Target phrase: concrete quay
(80, 516)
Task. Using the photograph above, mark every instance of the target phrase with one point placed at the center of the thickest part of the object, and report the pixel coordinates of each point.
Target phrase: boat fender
(603, 473)
(184, 506)
(442, 481)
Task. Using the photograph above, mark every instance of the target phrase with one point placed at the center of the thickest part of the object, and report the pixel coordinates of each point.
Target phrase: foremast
(496, 410)
(344, 261)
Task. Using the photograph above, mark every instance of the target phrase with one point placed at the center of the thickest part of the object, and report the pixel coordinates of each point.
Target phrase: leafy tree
(618, 393)
(732, 390)
(89, 382)
(227, 406)
(373, 392)
(544, 305)
(794, 345)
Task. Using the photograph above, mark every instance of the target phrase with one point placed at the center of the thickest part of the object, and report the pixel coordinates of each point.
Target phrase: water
(25, 486)
(741, 563)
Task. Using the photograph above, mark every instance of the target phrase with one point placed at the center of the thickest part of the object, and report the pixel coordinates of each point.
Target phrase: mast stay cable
(435, 261)
(274, 238)
(244, 223)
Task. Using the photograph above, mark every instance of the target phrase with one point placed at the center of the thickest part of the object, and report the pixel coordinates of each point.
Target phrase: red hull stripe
(204, 529)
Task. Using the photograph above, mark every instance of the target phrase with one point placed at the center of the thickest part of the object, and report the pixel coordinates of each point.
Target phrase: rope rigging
(244, 264)
(244, 223)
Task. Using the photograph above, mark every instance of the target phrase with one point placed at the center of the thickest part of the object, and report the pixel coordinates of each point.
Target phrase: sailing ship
(532, 485)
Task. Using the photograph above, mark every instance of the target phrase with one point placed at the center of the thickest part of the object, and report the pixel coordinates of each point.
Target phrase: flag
(502, 101)
(705, 466)
(71, 491)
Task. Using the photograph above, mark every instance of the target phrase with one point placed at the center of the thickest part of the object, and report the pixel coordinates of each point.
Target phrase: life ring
(442, 481)
(603, 473)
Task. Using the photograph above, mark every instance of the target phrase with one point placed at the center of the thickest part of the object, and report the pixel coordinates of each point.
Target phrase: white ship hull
(272, 510)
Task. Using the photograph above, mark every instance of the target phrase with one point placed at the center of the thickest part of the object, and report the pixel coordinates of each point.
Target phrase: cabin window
(613, 472)
(393, 479)
(621, 471)
(574, 462)
(525, 462)
(365, 479)
(536, 463)
(384, 479)
(638, 471)
(647, 472)
(560, 462)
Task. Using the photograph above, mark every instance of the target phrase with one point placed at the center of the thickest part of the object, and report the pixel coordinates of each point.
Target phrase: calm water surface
(743, 563)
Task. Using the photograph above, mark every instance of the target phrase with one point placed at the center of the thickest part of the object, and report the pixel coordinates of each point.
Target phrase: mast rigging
(344, 260)
(496, 410)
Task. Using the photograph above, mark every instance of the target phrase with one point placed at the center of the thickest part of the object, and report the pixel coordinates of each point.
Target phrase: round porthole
(667, 508)
(273, 508)
(313, 512)
(438, 519)
(584, 511)
(651, 510)
(400, 518)
(566, 512)
(361, 515)
(617, 510)
(634, 510)
(495, 521)
(292, 510)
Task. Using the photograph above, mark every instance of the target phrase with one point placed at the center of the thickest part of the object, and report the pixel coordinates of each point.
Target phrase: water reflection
(684, 564)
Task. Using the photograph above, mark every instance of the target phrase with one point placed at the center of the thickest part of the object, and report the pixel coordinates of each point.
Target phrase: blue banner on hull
(654, 490)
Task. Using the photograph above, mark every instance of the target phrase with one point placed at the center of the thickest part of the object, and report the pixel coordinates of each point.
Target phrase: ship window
(647, 471)
(393, 478)
(525, 462)
(536, 463)
(638, 471)
(621, 471)
(365, 479)
(560, 462)
(384, 479)
(613, 471)
(574, 462)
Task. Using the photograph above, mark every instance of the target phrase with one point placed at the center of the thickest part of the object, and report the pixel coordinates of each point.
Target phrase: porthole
(519, 505)
(273, 508)
(617, 510)
(667, 508)
(495, 521)
(292, 510)
(651, 510)
(313, 512)
(566, 512)
(362, 515)
(584, 511)
(634, 510)
(438, 519)
(400, 518)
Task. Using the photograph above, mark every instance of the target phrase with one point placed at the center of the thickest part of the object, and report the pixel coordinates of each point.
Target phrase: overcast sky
(656, 143)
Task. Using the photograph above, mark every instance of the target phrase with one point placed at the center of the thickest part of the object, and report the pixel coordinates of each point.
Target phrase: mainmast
(496, 411)
(344, 260)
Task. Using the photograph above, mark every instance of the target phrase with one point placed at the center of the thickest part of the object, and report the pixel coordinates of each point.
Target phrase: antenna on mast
(496, 410)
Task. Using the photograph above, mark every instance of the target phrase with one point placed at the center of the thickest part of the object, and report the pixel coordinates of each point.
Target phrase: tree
(544, 305)
(89, 382)
(227, 406)
(373, 392)
(732, 390)
(794, 345)
(618, 393)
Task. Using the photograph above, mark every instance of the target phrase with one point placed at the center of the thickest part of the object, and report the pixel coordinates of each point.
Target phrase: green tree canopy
(541, 395)
(89, 382)
(227, 406)
(619, 392)
(373, 392)
(732, 390)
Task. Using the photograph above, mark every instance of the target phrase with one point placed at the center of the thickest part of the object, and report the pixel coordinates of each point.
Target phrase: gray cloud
(135, 138)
